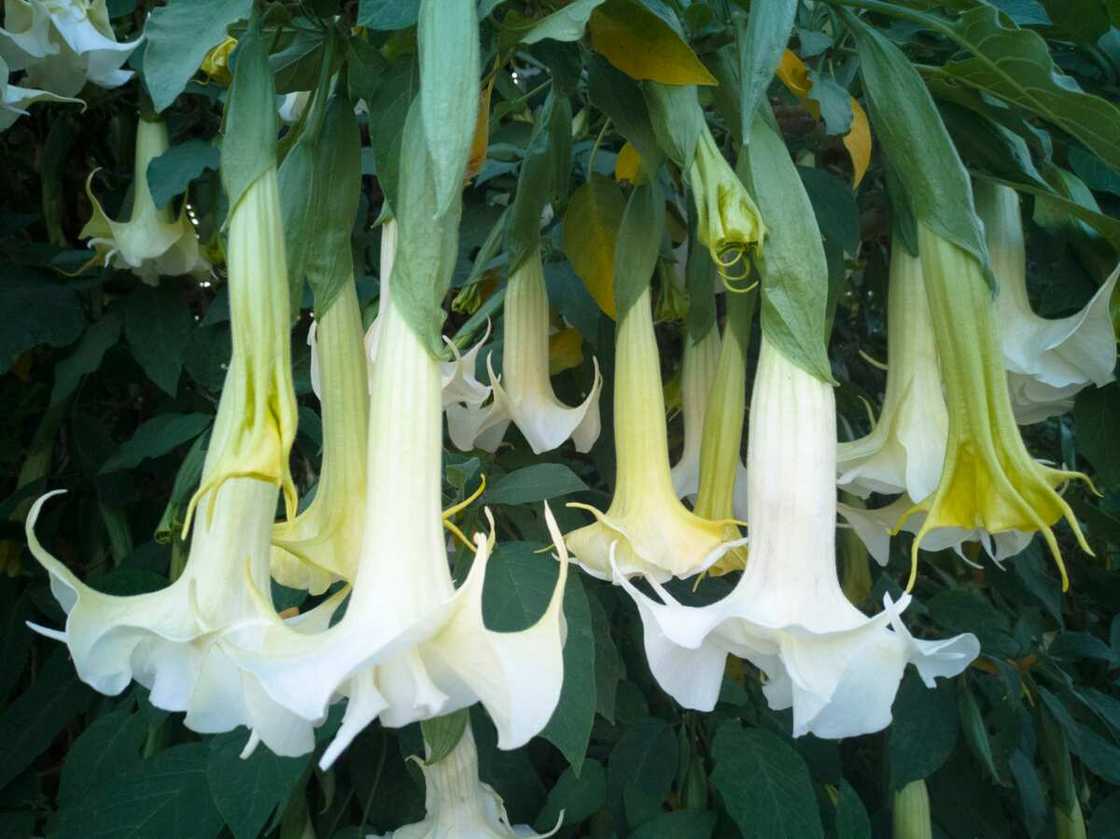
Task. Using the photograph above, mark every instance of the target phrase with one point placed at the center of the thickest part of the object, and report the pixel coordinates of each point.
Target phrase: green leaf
(249, 124)
(1105, 821)
(578, 796)
(639, 244)
(86, 357)
(641, 770)
(609, 668)
(29, 725)
(158, 326)
(442, 734)
(935, 183)
(620, 98)
(388, 15)
(391, 103)
(682, 824)
(247, 791)
(569, 728)
(447, 33)
(990, 147)
(1096, 174)
(565, 24)
(834, 205)
(109, 747)
(924, 731)
(792, 261)
(165, 796)
(172, 172)
(835, 103)
(1095, 414)
(764, 784)
(975, 731)
(156, 437)
(851, 816)
(15, 639)
(178, 35)
(760, 45)
(677, 119)
(50, 313)
(531, 484)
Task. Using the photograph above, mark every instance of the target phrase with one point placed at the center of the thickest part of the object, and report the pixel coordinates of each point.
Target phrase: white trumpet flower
(14, 99)
(838, 669)
(152, 242)
(321, 544)
(653, 532)
(523, 393)
(410, 646)
(1048, 361)
(172, 641)
(62, 44)
(458, 804)
(905, 449)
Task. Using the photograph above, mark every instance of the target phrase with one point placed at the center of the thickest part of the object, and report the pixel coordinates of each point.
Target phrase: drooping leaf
(643, 46)
(591, 228)
(249, 124)
(110, 746)
(760, 44)
(638, 244)
(50, 313)
(156, 437)
(246, 791)
(86, 357)
(577, 796)
(924, 732)
(158, 326)
(640, 771)
(388, 15)
(170, 174)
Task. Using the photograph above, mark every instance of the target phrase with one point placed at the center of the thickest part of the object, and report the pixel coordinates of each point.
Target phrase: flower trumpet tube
(63, 44)
(458, 805)
(838, 669)
(172, 641)
(905, 449)
(1047, 361)
(523, 394)
(720, 463)
(322, 543)
(698, 371)
(410, 646)
(989, 479)
(655, 534)
(152, 242)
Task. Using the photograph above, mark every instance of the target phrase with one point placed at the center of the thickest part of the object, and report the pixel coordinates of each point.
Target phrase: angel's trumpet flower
(905, 449)
(988, 480)
(171, 641)
(410, 646)
(720, 466)
(458, 805)
(656, 535)
(523, 393)
(698, 371)
(322, 543)
(63, 44)
(1047, 361)
(838, 669)
(152, 242)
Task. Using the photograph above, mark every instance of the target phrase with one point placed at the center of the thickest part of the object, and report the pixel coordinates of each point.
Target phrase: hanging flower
(321, 544)
(836, 668)
(152, 242)
(905, 449)
(523, 394)
(62, 44)
(1048, 361)
(172, 640)
(698, 371)
(646, 526)
(458, 804)
(15, 99)
(410, 646)
(988, 480)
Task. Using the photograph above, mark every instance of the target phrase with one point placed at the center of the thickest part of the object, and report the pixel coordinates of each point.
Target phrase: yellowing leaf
(565, 351)
(591, 227)
(643, 46)
(628, 164)
(481, 140)
(795, 76)
(858, 143)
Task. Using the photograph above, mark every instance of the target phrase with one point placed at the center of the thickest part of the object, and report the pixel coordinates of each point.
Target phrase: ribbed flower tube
(1048, 361)
(836, 668)
(653, 533)
(698, 371)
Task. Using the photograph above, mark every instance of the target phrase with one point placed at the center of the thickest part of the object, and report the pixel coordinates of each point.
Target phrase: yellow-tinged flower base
(989, 479)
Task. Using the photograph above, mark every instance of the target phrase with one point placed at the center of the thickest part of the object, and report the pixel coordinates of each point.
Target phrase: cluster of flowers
(410, 646)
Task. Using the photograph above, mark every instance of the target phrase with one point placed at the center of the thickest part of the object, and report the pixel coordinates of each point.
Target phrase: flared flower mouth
(988, 480)
(837, 669)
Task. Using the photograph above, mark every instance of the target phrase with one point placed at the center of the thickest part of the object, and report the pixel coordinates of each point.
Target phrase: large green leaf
(247, 791)
(638, 245)
(156, 437)
(640, 771)
(171, 173)
(924, 733)
(760, 44)
(158, 326)
(388, 14)
(86, 357)
(764, 784)
(50, 313)
(110, 746)
(249, 124)
(532, 484)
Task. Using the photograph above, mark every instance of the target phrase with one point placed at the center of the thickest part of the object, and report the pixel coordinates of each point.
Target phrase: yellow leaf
(794, 74)
(643, 46)
(858, 143)
(628, 164)
(565, 350)
(481, 140)
(590, 231)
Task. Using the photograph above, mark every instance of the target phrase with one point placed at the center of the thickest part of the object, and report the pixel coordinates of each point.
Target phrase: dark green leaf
(620, 98)
(975, 731)
(249, 125)
(1105, 820)
(15, 639)
(641, 769)
(764, 784)
(172, 172)
(247, 791)
(569, 728)
(442, 734)
(388, 14)
(178, 35)
(851, 816)
(109, 747)
(609, 668)
(158, 326)
(638, 245)
(50, 313)
(1096, 412)
(156, 437)
(760, 45)
(683, 824)
(578, 796)
(86, 357)
(540, 482)
(925, 729)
